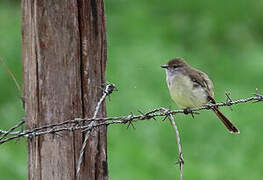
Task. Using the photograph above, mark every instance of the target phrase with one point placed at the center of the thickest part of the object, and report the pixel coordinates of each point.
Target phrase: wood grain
(64, 59)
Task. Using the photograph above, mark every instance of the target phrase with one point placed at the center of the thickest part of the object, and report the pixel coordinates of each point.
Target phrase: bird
(190, 88)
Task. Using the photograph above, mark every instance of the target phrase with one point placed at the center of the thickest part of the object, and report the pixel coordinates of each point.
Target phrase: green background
(222, 38)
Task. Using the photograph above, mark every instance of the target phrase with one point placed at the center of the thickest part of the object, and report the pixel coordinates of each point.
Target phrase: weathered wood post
(64, 58)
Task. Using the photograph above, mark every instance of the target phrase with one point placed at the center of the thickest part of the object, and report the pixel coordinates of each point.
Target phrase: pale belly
(184, 94)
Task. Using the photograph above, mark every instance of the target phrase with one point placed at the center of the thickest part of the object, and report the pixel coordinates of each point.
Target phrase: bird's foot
(189, 111)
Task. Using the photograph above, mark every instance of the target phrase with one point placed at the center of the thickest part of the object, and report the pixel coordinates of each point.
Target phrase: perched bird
(191, 88)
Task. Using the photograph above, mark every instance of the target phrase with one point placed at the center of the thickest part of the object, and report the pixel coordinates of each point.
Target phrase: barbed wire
(73, 125)
(10, 131)
(108, 90)
(180, 158)
(95, 122)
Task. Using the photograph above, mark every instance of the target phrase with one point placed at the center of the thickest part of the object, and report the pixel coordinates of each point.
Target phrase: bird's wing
(201, 79)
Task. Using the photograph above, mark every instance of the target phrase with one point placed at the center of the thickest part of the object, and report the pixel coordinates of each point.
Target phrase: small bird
(191, 88)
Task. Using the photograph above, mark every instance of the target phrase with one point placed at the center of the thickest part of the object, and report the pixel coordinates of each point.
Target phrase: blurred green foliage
(222, 38)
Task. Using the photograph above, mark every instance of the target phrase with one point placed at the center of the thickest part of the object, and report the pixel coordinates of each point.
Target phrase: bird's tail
(229, 125)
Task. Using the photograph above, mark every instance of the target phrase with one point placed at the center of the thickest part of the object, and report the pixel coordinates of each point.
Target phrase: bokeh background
(222, 38)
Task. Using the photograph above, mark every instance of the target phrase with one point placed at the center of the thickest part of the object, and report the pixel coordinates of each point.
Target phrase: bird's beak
(164, 66)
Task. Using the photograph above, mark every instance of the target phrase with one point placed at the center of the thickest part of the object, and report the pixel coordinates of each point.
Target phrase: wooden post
(64, 58)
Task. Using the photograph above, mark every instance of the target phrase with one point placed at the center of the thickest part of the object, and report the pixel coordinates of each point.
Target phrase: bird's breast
(184, 93)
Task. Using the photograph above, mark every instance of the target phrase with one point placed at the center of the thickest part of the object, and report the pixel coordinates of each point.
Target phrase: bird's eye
(174, 66)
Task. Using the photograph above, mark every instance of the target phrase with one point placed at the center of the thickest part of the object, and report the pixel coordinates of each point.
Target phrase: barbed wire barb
(229, 100)
(6, 133)
(260, 97)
